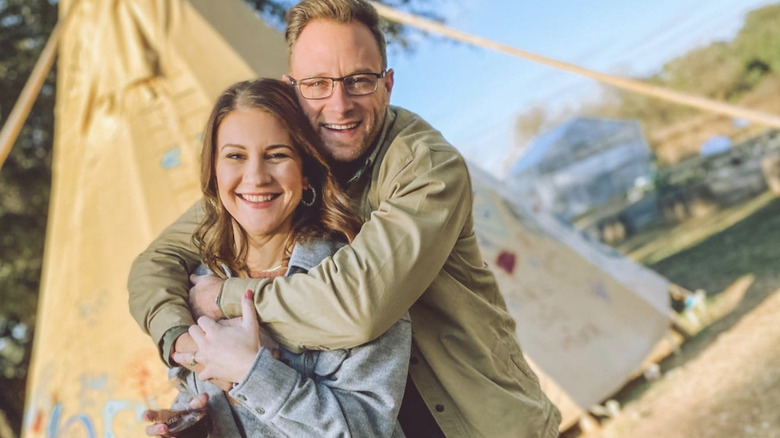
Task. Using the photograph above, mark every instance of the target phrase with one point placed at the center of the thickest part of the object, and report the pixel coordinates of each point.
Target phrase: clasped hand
(224, 353)
(203, 296)
(226, 348)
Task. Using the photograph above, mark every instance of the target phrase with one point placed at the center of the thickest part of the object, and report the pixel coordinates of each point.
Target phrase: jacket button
(260, 411)
(241, 397)
(414, 360)
(440, 408)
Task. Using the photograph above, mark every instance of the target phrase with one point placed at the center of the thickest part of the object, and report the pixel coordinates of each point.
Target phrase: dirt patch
(728, 388)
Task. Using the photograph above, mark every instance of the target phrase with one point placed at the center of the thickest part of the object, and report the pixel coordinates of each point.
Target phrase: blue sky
(474, 95)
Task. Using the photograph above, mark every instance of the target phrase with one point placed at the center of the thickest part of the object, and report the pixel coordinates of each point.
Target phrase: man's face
(346, 124)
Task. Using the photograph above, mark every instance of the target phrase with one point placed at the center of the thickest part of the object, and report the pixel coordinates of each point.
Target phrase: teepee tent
(136, 80)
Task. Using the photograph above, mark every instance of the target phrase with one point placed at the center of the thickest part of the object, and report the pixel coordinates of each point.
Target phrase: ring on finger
(193, 362)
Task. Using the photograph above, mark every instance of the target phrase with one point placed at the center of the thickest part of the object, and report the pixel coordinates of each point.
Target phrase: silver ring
(193, 362)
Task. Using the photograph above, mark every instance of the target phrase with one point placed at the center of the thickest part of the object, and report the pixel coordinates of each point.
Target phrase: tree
(24, 188)
(759, 40)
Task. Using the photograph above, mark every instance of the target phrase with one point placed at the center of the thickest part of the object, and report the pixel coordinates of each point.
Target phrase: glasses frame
(297, 83)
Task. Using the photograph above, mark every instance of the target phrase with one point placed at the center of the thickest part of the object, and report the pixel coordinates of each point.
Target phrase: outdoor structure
(136, 80)
(585, 164)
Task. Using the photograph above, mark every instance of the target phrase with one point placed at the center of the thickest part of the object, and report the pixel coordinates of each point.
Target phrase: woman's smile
(259, 172)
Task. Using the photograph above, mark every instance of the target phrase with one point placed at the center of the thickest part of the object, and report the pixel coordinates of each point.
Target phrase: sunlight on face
(346, 124)
(259, 172)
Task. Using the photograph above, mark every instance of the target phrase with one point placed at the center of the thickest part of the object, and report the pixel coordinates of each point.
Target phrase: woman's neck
(265, 255)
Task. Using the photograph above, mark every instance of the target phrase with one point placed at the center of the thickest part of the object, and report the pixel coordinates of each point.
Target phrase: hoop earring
(313, 197)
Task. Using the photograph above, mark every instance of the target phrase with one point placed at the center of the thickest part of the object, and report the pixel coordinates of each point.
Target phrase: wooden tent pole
(32, 87)
(635, 86)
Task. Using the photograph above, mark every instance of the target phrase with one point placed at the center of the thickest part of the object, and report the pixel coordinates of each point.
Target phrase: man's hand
(158, 417)
(203, 296)
(226, 349)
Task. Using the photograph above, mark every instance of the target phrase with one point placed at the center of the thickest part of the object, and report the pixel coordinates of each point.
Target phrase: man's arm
(159, 283)
(364, 288)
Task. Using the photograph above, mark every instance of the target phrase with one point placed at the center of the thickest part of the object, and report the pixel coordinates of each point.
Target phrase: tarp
(136, 80)
(586, 315)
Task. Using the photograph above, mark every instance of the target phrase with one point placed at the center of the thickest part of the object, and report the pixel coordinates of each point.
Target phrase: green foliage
(724, 71)
(25, 179)
(759, 41)
(26, 176)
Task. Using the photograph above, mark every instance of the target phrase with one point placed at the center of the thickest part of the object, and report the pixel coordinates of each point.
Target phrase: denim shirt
(337, 393)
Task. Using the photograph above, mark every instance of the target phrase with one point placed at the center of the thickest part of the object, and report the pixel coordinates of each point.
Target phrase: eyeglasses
(358, 84)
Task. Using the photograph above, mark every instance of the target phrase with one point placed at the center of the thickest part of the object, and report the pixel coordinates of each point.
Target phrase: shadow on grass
(751, 246)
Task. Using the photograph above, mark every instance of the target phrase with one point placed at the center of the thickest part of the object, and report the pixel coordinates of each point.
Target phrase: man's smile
(340, 126)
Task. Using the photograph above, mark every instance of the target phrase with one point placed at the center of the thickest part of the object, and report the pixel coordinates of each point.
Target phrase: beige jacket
(417, 251)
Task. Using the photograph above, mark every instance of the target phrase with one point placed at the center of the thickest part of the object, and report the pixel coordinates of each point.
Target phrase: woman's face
(259, 172)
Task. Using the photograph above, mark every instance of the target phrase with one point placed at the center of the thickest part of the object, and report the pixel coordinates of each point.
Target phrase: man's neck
(346, 171)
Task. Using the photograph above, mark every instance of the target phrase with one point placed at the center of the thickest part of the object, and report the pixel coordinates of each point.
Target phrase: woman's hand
(186, 347)
(226, 349)
(159, 417)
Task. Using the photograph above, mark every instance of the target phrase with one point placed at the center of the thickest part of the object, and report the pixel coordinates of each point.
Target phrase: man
(416, 251)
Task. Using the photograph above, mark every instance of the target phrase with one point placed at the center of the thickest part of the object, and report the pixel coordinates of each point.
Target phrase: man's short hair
(341, 11)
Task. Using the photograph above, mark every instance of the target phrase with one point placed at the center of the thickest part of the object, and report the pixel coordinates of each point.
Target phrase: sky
(474, 95)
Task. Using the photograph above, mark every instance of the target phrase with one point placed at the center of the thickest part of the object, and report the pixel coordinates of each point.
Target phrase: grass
(749, 246)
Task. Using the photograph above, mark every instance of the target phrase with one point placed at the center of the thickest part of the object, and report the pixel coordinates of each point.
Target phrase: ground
(725, 381)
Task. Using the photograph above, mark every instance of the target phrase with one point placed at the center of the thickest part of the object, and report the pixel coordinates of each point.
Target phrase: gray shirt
(338, 393)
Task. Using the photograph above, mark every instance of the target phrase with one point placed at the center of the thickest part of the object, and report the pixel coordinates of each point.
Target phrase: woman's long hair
(330, 217)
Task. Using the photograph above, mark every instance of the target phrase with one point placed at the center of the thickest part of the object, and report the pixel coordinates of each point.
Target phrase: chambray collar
(308, 254)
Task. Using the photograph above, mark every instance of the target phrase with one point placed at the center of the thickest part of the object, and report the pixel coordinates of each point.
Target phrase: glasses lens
(360, 84)
(316, 88)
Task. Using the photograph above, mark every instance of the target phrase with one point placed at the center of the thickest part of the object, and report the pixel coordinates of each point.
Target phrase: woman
(273, 208)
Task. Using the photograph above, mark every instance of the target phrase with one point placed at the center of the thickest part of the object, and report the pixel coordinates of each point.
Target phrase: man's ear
(389, 82)
(287, 78)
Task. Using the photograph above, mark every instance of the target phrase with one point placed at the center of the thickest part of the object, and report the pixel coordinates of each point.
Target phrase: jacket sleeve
(353, 393)
(364, 288)
(159, 278)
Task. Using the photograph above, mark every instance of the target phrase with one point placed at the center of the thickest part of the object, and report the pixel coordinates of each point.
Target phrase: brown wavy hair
(330, 217)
